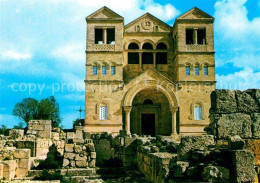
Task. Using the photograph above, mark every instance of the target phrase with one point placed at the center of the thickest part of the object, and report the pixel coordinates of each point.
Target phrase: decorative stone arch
(148, 41)
(163, 41)
(96, 64)
(197, 64)
(105, 64)
(131, 93)
(132, 41)
(197, 103)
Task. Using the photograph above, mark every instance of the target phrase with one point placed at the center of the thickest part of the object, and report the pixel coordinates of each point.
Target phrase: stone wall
(40, 128)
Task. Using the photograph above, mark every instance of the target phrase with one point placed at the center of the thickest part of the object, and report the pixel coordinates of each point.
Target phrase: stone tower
(147, 77)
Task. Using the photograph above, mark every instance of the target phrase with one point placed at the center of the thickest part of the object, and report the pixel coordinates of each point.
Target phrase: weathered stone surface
(72, 164)
(246, 103)
(55, 135)
(9, 169)
(235, 142)
(22, 153)
(78, 148)
(80, 158)
(92, 163)
(223, 101)
(179, 168)
(256, 125)
(68, 155)
(69, 147)
(81, 164)
(243, 164)
(234, 124)
(66, 162)
(70, 135)
(254, 146)
(215, 174)
(93, 155)
(255, 93)
(189, 143)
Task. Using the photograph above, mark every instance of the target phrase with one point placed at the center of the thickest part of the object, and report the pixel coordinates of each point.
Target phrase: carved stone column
(174, 123)
(195, 36)
(127, 110)
(105, 35)
(154, 60)
(140, 60)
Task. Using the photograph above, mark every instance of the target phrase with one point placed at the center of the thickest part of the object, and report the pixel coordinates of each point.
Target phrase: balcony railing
(196, 47)
(104, 47)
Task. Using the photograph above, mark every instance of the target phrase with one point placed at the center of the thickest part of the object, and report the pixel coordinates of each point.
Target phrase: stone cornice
(104, 81)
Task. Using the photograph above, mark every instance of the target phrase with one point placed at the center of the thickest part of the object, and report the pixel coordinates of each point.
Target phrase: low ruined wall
(235, 112)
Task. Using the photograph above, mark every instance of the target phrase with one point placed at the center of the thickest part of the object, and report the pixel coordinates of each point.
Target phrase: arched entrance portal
(132, 98)
(150, 114)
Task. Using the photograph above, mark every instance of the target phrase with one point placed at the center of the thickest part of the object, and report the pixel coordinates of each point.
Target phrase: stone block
(69, 155)
(24, 164)
(21, 172)
(243, 166)
(246, 103)
(70, 135)
(77, 148)
(80, 158)
(223, 101)
(9, 169)
(78, 135)
(92, 163)
(189, 143)
(66, 162)
(256, 125)
(93, 155)
(69, 148)
(22, 153)
(82, 164)
(215, 174)
(38, 127)
(72, 164)
(235, 142)
(55, 135)
(254, 146)
(179, 168)
(234, 124)
(1, 171)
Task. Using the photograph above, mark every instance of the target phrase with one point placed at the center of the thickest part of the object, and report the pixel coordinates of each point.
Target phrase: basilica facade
(147, 77)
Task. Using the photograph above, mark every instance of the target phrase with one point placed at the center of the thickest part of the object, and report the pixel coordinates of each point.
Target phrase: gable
(195, 13)
(147, 23)
(104, 13)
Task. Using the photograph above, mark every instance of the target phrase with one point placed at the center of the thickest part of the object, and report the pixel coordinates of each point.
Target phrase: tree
(19, 126)
(27, 109)
(46, 109)
(49, 110)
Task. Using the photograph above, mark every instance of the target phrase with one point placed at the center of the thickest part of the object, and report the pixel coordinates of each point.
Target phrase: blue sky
(42, 44)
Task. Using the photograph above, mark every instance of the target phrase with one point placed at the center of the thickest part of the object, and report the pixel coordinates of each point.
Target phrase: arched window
(197, 70)
(133, 46)
(147, 101)
(147, 46)
(104, 69)
(161, 46)
(197, 112)
(113, 70)
(137, 28)
(133, 57)
(206, 70)
(161, 57)
(102, 112)
(187, 70)
(94, 70)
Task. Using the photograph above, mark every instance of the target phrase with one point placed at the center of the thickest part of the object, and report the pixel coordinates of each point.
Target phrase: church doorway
(148, 124)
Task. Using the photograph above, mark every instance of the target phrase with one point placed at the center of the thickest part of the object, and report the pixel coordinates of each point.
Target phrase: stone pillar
(105, 35)
(154, 60)
(195, 36)
(174, 127)
(127, 118)
(140, 60)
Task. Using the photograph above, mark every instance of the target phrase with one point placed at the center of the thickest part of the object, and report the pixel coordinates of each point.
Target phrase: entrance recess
(148, 124)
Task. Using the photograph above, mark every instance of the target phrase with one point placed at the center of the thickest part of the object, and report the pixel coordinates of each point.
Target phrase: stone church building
(148, 77)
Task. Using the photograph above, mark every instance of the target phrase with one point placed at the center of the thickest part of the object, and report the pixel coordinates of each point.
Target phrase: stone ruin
(229, 152)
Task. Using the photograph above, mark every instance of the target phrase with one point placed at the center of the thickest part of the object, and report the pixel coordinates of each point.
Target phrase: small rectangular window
(187, 70)
(111, 36)
(113, 70)
(94, 70)
(197, 113)
(197, 71)
(104, 70)
(99, 36)
(206, 71)
(103, 112)
(189, 36)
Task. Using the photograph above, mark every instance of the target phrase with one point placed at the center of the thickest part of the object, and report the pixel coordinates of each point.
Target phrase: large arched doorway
(150, 114)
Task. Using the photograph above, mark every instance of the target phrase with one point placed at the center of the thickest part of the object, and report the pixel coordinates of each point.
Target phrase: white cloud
(14, 55)
(241, 80)
(237, 39)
